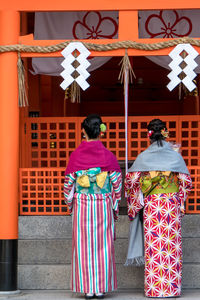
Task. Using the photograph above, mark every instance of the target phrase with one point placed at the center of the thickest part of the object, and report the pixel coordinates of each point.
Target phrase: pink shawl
(91, 155)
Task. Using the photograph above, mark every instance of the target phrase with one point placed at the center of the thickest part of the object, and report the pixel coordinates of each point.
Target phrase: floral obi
(157, 182)
(92, 181)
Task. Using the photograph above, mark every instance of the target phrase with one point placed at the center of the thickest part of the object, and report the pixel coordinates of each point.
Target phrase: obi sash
(157, 182)
(92, 181)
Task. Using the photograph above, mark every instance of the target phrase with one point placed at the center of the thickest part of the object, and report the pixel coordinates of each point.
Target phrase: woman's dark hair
(91, 124)
(156, 125)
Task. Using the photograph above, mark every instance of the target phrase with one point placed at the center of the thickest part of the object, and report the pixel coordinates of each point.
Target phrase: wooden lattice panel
(50, 141)
(41, 192)
(193, 201)
(190, 142)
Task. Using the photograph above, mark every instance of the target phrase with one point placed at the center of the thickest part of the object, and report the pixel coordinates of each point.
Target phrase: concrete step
(60, 227)
(58, 276)
(59, 251)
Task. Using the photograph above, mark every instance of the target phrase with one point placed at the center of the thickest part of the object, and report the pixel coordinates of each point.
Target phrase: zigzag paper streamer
(81, 69)
(177, 59)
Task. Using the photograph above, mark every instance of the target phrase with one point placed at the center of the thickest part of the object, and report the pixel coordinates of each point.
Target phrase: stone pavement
(66, 295)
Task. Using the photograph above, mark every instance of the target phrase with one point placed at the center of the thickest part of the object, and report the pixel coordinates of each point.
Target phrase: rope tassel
(75, 92)
(22, 98)
(126, 67)
(126, 74)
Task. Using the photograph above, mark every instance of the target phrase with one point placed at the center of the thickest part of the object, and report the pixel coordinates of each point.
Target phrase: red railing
(41, 191)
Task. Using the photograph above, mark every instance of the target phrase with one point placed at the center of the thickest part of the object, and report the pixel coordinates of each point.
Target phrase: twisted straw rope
(102, 47)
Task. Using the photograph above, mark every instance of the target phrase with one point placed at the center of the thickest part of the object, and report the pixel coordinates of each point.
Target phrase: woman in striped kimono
(161, 176)
(92, 190)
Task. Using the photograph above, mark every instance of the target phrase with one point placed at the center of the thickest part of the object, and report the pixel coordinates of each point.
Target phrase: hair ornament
(150, 132)
(103, 127)
(165, 133)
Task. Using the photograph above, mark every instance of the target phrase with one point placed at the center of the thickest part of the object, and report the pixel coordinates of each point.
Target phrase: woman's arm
(68, 190)
(134, 193)
(185, 186)
(116, 182)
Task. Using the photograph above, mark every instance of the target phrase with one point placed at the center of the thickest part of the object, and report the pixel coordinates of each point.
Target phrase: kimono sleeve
(185, 186)
(134, 194)
(69, 190)
(116, 182)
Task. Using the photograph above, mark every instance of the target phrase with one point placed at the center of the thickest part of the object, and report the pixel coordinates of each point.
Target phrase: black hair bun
(91, 124)
(156, 125)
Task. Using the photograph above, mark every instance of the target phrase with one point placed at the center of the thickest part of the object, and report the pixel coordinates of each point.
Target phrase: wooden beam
(80, 5)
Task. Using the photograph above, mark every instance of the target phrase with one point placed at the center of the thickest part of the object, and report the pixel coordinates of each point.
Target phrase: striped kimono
(94, 210)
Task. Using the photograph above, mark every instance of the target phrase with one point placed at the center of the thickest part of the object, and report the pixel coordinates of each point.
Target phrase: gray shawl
(135, 255)
(157, 158)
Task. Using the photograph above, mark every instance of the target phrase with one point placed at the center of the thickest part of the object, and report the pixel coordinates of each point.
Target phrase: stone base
(45, 253)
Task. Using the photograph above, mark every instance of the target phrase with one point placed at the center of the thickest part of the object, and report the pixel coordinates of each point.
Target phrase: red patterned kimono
(162, 233)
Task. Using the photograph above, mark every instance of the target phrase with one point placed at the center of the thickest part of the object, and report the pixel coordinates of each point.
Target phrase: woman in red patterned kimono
(161, 176)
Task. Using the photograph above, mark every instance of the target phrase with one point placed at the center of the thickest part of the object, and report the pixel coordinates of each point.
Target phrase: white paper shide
(81, 58)
(188, 69)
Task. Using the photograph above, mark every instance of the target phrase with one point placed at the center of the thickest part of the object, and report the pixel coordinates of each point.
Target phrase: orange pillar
(9, 152)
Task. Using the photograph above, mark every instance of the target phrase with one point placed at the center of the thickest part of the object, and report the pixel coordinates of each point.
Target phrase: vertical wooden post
(9, 152)
(128, 18)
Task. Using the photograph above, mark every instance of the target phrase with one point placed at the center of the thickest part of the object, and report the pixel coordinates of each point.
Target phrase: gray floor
(65, 295)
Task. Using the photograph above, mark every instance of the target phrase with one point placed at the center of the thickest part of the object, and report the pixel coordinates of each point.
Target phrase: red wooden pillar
(9, 152)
